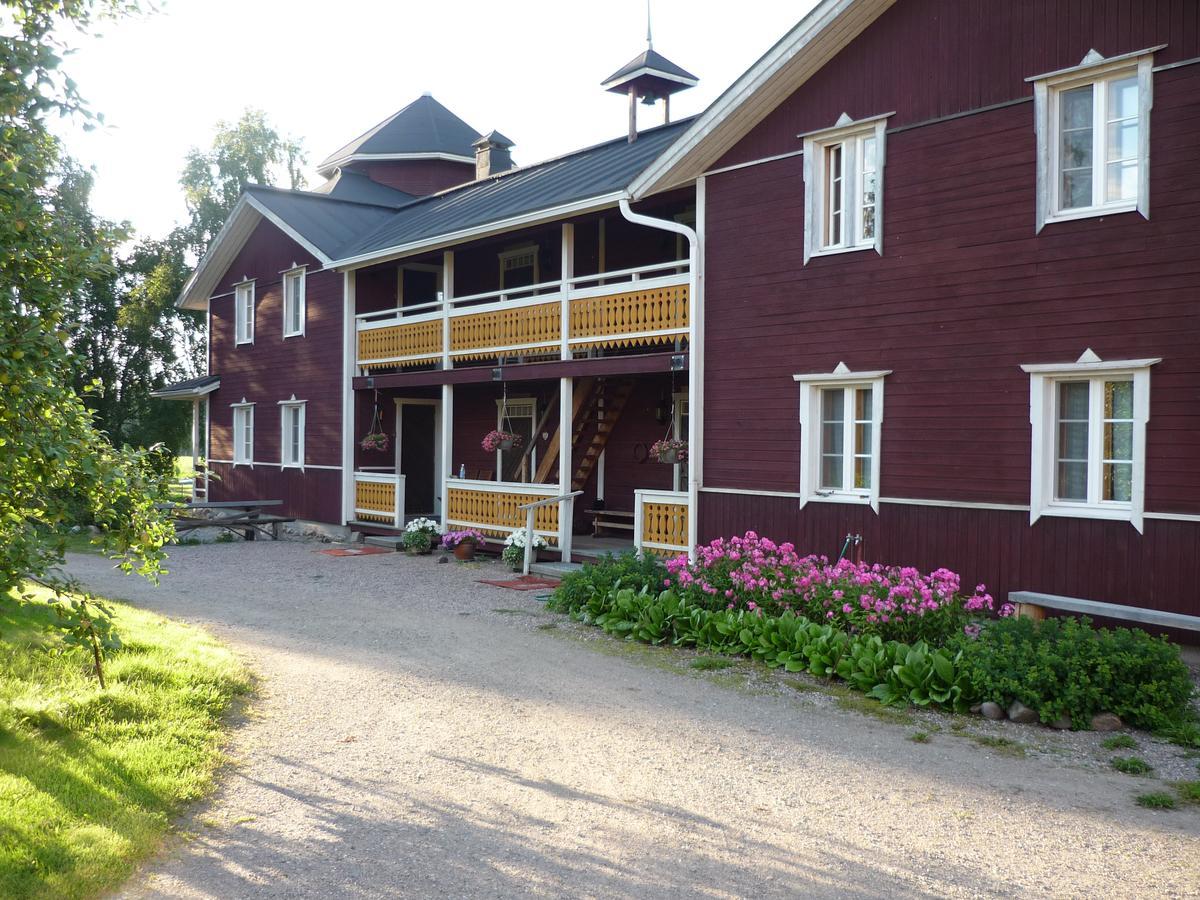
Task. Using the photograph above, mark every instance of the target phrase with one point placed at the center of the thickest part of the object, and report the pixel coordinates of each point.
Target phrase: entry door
(417, 461)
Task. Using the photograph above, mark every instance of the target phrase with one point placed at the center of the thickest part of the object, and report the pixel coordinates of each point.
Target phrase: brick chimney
(492, 154)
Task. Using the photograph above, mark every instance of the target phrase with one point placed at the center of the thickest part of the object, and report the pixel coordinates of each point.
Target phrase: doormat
(524, 583)
(355, 551)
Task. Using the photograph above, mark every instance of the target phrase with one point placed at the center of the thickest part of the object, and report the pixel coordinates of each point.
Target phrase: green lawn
(90, 779)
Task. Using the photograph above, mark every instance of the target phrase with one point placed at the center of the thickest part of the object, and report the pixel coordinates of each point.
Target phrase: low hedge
(1059, 667)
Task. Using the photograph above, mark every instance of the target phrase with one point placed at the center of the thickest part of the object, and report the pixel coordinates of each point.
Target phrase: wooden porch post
(195, 433)
(448, 470)
(566, 509)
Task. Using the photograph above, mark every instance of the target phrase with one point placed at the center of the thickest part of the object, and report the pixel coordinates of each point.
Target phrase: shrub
(1189, 790)
(894, 602)
(1120, 742)
(596, 581)
(1131, 765)
(1065, 667)
(1156, 800)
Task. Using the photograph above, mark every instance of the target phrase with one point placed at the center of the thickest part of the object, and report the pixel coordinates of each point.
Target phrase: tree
(52, 457)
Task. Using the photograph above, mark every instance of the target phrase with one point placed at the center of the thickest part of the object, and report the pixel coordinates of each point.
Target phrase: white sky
(325, 73)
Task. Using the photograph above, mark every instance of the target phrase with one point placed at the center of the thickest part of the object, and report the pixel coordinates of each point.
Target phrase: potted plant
(376, 440)
(514, 549)
(501, 440)
(463, 543)
(669, 451)
(419, 536)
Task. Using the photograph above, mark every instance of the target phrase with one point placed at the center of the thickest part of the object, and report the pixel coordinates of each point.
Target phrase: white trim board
(275, 465)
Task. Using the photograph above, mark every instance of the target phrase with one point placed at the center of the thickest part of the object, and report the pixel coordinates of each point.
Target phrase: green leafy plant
(1156, 800)
(919, 737)
(1131, 765)
(417, 541)
(1120, 742)
(1189, 790)
(84, 621)
(710, 663)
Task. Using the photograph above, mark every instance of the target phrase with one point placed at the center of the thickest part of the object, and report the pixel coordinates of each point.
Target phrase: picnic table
(245, 517)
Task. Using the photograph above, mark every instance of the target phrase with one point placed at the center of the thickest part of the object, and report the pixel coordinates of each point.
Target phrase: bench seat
(1032, 603)
(617, 519)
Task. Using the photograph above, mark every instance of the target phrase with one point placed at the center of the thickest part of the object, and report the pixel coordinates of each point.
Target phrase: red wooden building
(926, 273)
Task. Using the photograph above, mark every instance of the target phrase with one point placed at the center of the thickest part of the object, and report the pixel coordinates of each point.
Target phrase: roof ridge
(318, 196)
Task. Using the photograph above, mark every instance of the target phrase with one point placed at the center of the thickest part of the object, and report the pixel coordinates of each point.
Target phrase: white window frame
(241, 410)
(243, 312)
(285, 407)
(419, 267)
(508, 257)
(1043, 381)
(851, 135)
(1094, 69)
(681, 409)
(298, 273)
(811, 386)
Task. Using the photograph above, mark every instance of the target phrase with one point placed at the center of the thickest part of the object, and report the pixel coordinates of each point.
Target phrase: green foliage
(1189, 790)
(710, 663)
(596, 580)
(1156, 800)
(90, 780)
(1131, 765)
(417, 540)
(84, 621)
(919, 737)
(1120, 742)
(1065, 667)
(1185, 733)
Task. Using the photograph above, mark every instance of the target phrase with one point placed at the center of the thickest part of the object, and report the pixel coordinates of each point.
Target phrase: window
(681, 413)
(291, 439)
(841, 415)
(1093, 131)
(519, 267)
(293, 303)
(243, 312)
(517, 417)
(243, 433)
(843, 188)
(1089, 434)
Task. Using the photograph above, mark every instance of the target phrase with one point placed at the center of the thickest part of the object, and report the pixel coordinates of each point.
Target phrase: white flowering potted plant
(514, 548)
(420, 535)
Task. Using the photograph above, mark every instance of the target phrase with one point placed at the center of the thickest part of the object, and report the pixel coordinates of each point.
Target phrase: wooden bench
(1034, 605)
(244, 517)
(614, 519)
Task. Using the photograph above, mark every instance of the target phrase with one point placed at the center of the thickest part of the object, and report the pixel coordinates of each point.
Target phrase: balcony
(623, 309)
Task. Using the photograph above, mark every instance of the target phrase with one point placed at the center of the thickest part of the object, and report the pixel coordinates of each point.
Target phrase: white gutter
(695, 348)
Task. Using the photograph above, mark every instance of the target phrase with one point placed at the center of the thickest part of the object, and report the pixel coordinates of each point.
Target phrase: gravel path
(422, 735)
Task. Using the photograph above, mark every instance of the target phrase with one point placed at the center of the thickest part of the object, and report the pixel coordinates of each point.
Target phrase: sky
(325, 73)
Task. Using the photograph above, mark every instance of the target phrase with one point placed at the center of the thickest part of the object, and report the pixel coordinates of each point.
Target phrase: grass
(1156, 800)
(710, 663)
(1004, 745)
(1131, 765)
(90, 779)
(919, 737)
(1189, 791)
(1120, 742)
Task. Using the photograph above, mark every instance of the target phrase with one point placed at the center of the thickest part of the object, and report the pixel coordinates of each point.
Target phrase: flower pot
(415, 551)
(464, 551)
(669, 457)
(507, 444)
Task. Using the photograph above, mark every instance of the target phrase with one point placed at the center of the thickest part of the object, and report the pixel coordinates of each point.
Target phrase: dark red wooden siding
(418, 177)
(964, 294)
(275, 368)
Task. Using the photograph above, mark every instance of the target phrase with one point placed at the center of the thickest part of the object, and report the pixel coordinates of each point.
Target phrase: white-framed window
(843, 187)
(294, 311)
(1093, 137)
(291, 436)
(519, 266)
(681, 416)
(243, 433)
(243, 312)
(841, 420)
(1088, 421)
(517, 417)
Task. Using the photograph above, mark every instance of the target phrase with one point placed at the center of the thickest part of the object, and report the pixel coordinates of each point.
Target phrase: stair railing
(566, 514)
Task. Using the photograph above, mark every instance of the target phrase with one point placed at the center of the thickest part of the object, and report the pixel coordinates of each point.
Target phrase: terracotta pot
(464, 551)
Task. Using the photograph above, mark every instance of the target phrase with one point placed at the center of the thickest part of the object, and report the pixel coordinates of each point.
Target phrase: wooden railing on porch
(495, 507)
(660, 522)
(379, 497)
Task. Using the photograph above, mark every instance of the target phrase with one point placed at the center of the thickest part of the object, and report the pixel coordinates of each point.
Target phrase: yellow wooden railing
(517, 328)
(379, 497)
(400, 345)
(661, 522)
(633, 318)
(494, 507)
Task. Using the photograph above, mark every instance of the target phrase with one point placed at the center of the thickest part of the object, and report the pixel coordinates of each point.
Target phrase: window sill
(242, 462)
(244, 343)
(841, 497)
(294, 334)
(1091, 212)
(299, 467)
(1109, 513)
(835, 251)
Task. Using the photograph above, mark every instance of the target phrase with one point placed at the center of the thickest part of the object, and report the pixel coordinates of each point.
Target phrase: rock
(1107, 721)
(976, 709)
(1021, 714)
(992, 710)
(1062, 723)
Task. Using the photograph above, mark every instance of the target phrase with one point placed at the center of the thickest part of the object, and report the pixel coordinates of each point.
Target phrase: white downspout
(695, 350)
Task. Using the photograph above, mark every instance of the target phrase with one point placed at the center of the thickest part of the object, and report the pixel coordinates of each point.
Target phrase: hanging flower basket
(669, 451)
(501, 440)
(377, 440)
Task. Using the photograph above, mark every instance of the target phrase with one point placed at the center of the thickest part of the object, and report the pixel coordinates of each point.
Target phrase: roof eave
(335, 162)
(615, 82)
(781, 70)
(191, 394)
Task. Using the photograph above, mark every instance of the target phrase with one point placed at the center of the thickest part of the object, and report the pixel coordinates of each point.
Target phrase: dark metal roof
(592, 172)
(189, 389)
(424, 126)
(358, 188)
(653, 60)
(323, 221)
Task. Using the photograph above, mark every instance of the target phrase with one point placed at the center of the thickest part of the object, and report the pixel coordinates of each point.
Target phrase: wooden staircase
(609, 413)
(583, 391)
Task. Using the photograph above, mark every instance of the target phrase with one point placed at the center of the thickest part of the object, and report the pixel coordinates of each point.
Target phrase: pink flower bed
(896, 602)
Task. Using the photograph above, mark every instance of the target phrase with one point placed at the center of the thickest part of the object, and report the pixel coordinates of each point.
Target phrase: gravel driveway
(422, 735)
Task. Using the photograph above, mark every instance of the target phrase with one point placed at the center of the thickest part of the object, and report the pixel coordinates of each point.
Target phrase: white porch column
(447, 467)
(696, 373)
(447, 296)
(195, 433)
(349, 369)
(568, 272)
(565, 455)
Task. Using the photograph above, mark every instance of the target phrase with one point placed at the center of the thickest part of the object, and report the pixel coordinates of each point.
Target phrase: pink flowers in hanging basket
(669, 451)
(501, 440)
(377, 440)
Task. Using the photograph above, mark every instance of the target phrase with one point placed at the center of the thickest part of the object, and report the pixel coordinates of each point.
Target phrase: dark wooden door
(416, 458)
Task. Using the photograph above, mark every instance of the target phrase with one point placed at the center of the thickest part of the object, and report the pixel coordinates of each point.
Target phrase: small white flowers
(429, 526)
(517, 539)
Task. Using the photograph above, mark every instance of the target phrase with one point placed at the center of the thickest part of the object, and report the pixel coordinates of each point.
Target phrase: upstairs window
(243, 312)
(843, 188)
(243, 433)
(841, 417)
(1089, 438)
(519, 267)
(1093, 131)
(293, 303)
(291, 438)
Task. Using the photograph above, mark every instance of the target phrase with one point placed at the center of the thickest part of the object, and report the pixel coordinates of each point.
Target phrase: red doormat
(524, 583)
(355, 551)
